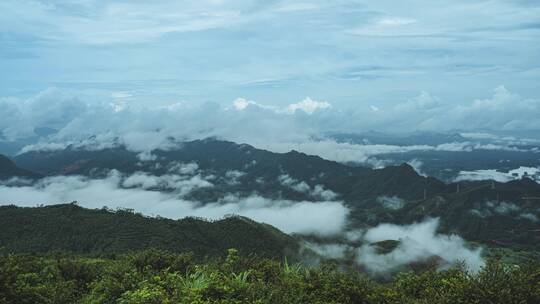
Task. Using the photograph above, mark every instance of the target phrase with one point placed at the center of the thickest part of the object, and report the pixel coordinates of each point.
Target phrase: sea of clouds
(117, 190)
(324, 217)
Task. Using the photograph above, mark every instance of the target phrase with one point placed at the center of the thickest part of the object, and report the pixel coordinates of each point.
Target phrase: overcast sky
(424, 58)
(344, 51)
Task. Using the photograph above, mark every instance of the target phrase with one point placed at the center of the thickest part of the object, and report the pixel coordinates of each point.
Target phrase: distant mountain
(353, 184)
(68, 227)
(8, 169)
(444, 155)
(446, 165)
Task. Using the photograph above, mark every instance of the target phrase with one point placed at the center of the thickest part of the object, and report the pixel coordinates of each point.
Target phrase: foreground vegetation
(155, 276)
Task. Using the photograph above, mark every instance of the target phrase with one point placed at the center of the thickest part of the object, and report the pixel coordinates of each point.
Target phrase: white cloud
(417, 166)
(242, 103)
(503, 177)
(417, 242)
(181, 184)
(422, 102)
(294, 184)
(183, 168)
(85, 122)
(324, 194)
(505, 110)
(146, 156)
(503, 207)
(308, 105)
(291, 217)
(491, 208)
(51, 108)
(318, 191)
(479, 175)
(232, 177)
(391, 202)
(393, 21)
(363, 153)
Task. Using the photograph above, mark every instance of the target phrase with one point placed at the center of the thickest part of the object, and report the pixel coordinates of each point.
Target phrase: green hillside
(69, 227)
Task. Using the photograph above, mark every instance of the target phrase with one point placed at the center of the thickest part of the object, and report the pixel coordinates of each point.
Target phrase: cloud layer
(291, 217)
(503, 208)
(417, 242)
(503, 177)
(94, 121)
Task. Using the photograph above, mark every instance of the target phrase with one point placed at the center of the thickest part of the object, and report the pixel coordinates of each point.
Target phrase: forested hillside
(68, 227)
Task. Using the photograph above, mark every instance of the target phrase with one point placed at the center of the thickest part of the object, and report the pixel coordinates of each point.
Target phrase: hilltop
(68, 227)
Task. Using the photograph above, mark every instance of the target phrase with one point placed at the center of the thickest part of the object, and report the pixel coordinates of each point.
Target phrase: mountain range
(492, 213)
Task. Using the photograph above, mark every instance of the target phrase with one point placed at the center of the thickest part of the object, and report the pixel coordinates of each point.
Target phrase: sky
(333, 65)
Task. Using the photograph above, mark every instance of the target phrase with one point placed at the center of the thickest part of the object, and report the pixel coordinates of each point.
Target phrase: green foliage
(69, 227)
(155, 276)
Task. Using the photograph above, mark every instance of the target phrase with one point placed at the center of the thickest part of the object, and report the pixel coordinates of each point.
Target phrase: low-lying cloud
(181, 184)
(365, 153)
(504, 208)
(499, 176)
(303, 217)
(317, 192)
(417, 166)
(406, 245)
(391, 202)
(417, 242)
